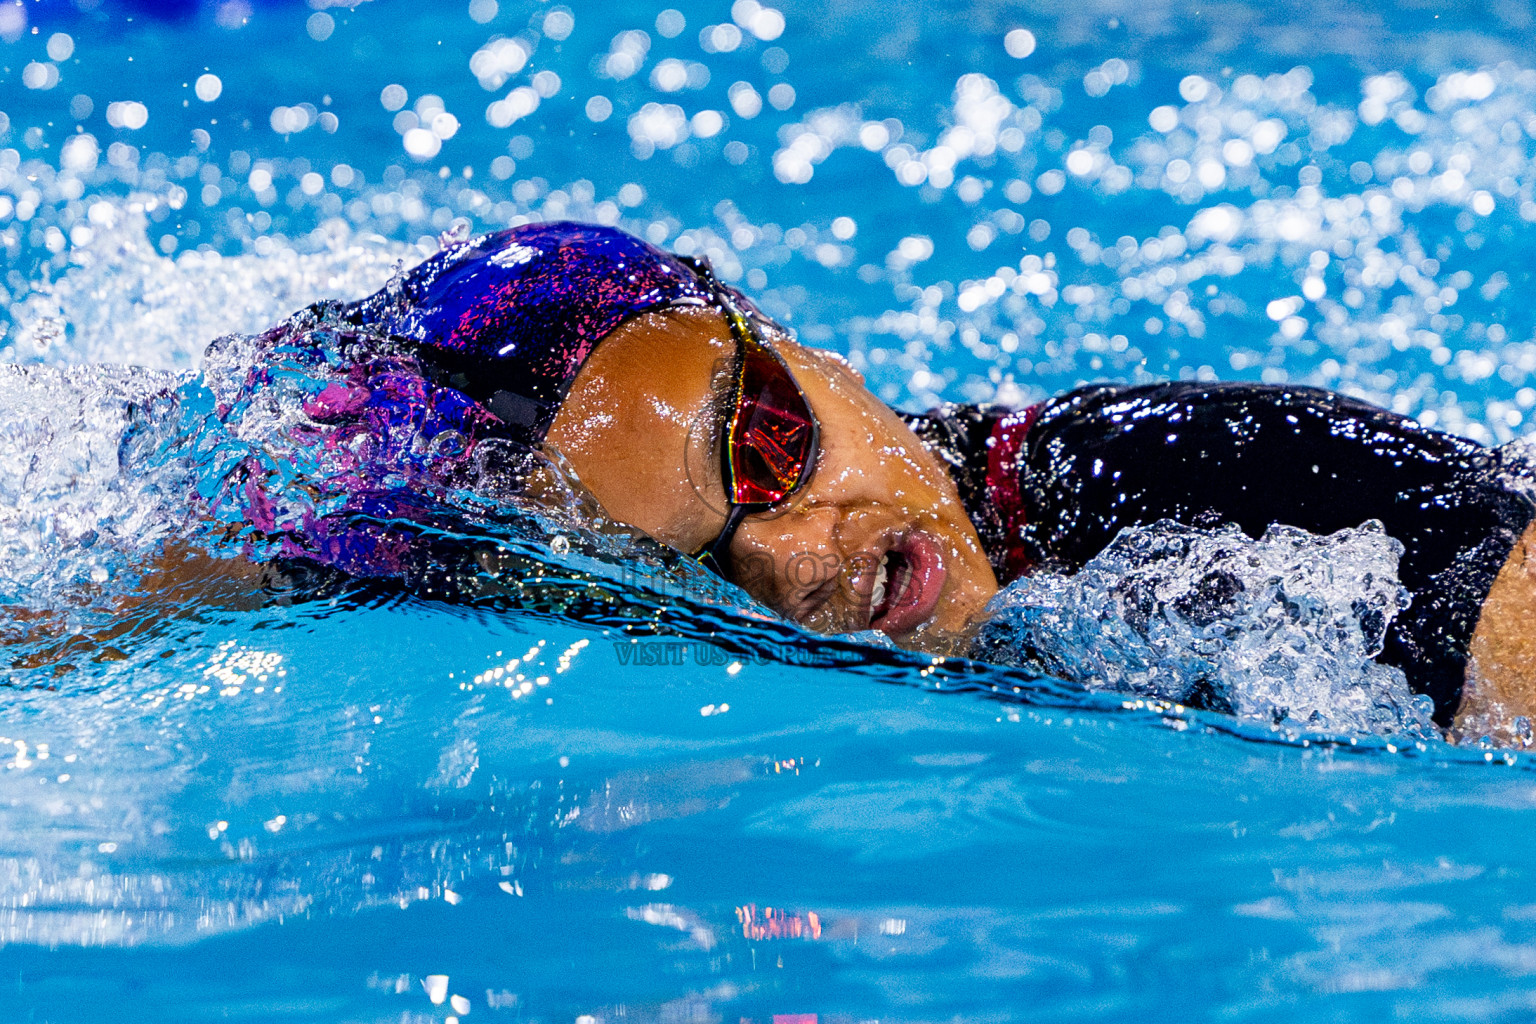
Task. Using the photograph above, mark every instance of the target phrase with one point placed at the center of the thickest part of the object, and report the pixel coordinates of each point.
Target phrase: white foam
(67, 512)
(1282, 629)
(121, 301)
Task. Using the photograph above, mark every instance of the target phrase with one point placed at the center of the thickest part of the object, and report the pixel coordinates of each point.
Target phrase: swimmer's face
(877, 538)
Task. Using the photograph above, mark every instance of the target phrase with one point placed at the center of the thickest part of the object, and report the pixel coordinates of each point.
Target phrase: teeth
(882, 574)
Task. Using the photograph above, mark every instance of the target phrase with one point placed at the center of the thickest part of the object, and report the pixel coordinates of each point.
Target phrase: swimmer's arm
(180, 581)
(1501, 667)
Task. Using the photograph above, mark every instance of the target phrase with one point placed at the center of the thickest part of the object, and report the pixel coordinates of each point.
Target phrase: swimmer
(687, 414)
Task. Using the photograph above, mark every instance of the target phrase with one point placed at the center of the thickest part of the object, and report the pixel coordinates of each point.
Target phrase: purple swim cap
(510, 317)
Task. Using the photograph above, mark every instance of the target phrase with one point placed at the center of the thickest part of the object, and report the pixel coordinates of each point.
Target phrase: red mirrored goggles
(769, 438)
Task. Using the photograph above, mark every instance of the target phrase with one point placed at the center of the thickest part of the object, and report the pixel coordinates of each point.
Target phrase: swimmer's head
(689, 416)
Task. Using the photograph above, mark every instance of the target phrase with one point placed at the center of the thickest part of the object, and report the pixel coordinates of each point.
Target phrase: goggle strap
(715, 557)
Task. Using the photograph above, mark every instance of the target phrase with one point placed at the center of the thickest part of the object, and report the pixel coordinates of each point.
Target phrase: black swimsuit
(1052, 485)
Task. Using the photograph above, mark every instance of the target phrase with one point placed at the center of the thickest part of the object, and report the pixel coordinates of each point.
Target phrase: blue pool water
(548, 809)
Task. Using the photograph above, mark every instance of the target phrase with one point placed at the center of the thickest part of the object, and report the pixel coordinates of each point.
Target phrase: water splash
(67, 512)
(117, 299)
(1282, 629)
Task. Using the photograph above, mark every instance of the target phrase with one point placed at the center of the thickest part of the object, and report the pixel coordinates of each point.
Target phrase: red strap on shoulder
(1005, 465)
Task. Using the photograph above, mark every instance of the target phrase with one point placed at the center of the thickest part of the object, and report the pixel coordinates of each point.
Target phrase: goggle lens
(770, 439)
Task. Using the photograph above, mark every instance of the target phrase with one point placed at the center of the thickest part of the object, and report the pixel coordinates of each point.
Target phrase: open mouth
(907, 583)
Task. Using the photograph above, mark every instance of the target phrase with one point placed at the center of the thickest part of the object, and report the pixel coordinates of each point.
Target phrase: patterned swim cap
(510, 317)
